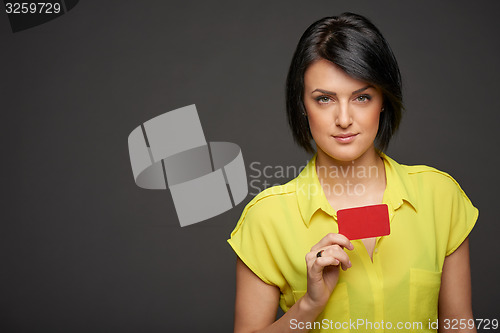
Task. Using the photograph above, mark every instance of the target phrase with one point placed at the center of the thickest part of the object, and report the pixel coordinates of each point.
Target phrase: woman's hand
(257, 302)
(323, 271)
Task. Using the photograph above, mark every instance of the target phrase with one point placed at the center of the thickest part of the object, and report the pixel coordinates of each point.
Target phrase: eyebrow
(326, 92)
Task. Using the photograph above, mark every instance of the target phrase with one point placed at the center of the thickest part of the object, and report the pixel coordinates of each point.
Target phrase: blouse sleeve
(252, 241)
(463, 217)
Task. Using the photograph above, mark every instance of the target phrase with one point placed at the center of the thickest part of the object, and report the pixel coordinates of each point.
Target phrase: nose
(343, 117)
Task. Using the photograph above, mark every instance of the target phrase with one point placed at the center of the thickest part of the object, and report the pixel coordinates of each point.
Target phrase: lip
(345, 137)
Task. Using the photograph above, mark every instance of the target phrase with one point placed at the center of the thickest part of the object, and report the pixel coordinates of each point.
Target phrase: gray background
(83, 249)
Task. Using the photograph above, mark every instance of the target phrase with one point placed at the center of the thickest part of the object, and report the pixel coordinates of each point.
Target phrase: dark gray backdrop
(83, 249)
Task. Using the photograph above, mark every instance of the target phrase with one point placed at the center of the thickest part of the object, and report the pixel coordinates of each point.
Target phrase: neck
(366, 170)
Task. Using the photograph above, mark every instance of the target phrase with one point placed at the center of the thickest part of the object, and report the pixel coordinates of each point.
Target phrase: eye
(363, 98)
(323, 99)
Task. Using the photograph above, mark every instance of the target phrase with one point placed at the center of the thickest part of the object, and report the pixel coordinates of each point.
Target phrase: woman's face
(343, 112)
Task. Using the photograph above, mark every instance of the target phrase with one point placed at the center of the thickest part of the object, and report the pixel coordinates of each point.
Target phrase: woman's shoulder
(433, 179)
(270, 198)
(267, 210)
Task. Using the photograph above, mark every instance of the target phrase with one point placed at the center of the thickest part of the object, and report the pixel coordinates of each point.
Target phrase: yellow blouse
(430, 216)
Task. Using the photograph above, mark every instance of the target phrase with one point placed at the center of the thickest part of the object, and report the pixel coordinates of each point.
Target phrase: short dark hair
(354, 44)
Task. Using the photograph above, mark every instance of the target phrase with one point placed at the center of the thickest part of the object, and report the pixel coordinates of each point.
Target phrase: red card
(364, 222)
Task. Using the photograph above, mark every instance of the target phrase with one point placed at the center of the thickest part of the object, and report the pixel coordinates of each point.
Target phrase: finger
(320, 263)
(338, 253)
(311, 256)
(331, 239)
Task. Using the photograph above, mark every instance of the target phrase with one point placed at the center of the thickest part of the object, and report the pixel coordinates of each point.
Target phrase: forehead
(323, 74)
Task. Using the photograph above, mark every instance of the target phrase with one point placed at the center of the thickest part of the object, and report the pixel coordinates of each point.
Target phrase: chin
(345, 157)
(344, 154)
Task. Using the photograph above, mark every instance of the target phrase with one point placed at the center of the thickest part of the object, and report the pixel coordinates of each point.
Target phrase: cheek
(371, 121)
(318, 123)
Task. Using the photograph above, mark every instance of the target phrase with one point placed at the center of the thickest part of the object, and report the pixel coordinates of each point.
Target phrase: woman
(344, 92)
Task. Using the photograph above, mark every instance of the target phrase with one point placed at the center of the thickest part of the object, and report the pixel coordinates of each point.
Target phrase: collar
(311, 197)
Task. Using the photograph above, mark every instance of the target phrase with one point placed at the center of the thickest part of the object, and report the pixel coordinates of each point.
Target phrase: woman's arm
(257, 305)
(455, 306)
(257, 302)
